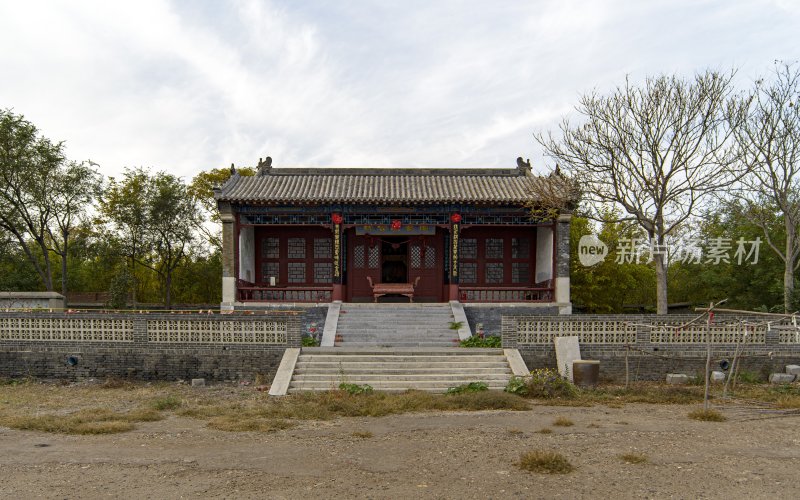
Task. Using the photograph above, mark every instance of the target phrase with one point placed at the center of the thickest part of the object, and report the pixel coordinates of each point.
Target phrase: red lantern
(455, 218)
(396, 225)
(337, 218)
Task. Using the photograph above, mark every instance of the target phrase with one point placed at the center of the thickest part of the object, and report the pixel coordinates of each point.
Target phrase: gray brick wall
(652, 361)
(140, 359)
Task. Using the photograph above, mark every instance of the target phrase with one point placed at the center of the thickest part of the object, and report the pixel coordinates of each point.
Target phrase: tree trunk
(65, 236)
(168, 294)
(133, 281)
(661, 285)
(788, 275)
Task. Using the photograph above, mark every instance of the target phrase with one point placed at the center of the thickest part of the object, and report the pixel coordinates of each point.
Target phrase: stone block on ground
(198, 382)
(567, 352)
(677, 378)
(717, 377)
(781, 378)
(793, 369)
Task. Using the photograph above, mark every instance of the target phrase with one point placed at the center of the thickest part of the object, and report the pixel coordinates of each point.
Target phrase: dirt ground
(430, 455)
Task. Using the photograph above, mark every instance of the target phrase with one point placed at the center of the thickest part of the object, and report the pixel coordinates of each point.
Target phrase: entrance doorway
(394, 260)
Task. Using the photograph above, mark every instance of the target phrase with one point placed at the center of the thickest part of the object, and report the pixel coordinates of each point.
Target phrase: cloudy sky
(185, 86)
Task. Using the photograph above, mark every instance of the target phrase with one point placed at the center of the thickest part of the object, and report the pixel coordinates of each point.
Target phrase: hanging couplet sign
(454, 267)
(336, 251)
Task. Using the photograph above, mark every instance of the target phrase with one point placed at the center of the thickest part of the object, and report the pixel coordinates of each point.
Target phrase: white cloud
(186, 86)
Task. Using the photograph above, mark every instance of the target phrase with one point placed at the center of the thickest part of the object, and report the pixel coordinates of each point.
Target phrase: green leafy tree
(155, 219)
(173, 217)
(124, 205)
(42, 195)
(202, 189)
(608, 286)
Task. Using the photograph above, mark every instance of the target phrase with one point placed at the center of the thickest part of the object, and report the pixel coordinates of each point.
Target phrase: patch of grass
(170, 402)
(90, 421)
(614, 396)
(634, 458)
(515, 432)
(545, 430)
(593, 426)
(471, 387)
(332, 404)
(144, 415)
(563, 422)
(117, 383)
(707, 415)
(353, 389)
(234, 423)
(545, 462)
(362, 434)
(748, 377)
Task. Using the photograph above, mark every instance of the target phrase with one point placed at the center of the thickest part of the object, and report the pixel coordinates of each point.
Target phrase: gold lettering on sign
(455, 250)
(336, 244)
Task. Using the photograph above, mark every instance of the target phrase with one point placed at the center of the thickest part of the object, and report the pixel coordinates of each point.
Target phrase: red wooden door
(363, 259)
(426, 260)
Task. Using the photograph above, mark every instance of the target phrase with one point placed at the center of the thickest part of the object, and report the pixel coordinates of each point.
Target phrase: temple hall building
(312, 235)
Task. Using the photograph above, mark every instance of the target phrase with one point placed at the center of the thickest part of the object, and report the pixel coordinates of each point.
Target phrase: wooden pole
(627, 372)
(708, 355)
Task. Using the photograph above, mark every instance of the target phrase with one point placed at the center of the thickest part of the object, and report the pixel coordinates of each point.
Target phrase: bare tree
(654, 151)
(768, 143)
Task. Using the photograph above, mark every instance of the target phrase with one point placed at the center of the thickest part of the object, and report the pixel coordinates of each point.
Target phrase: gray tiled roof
(368, 186)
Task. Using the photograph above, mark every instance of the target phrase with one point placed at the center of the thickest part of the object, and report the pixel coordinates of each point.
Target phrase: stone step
(475, 371)
(397, 334)
(369, 378)
(435, 390)
(379, 358)
(383, 366)
(440, 351)
(380, 385)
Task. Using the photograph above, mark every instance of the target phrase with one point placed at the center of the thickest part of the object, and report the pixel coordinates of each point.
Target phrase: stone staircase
(399, 369)
(395, 325)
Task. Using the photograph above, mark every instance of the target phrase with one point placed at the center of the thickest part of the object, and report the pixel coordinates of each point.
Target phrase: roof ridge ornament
(233, 170)
(523, 166)
(264, 166)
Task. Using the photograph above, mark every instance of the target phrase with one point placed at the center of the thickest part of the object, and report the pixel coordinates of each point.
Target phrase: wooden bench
(406, 289)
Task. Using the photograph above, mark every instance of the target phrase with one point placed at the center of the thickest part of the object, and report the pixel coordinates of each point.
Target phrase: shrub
(634, 458)
(167, 403)
(471, 387)
(355, 388)
(517, 385)
(546, 383)
(707, 415)
(563, 422)
(309, 341)
(492, 341)
(547, 462)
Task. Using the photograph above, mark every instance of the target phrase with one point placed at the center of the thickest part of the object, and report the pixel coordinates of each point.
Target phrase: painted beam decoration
(396, 229)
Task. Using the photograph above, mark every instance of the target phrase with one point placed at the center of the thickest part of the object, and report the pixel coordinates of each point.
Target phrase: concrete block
(717, 377)
(793, 369)
(781, 378)
(567, 352)
(198, 382)
(677, 378)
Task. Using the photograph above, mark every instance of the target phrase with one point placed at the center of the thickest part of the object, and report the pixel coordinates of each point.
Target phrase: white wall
(247, 254)
(544, 254)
